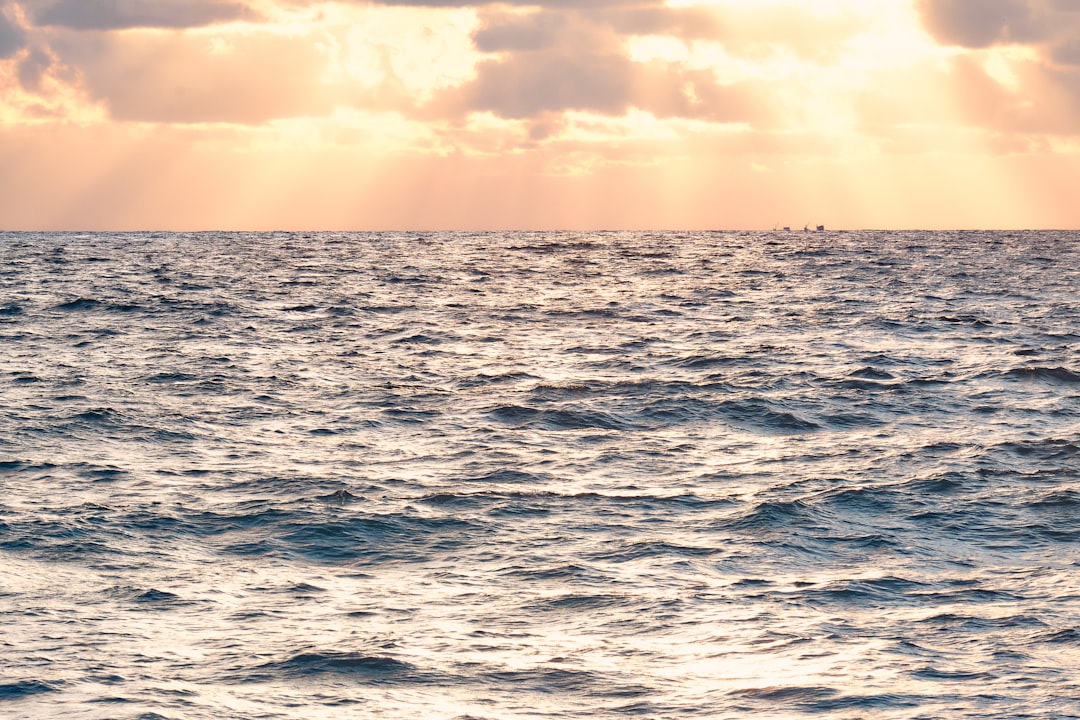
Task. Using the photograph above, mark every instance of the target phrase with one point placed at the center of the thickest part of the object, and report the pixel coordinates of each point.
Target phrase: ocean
(525, 475)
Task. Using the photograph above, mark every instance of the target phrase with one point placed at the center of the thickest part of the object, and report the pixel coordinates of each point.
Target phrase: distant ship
(806, 228)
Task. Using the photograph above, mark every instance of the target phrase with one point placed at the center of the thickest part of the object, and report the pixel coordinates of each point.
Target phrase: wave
(89, 304)
(774, 516)
(356, 665)
(1049, 374)
(562, 419)
(763, 415)
(25, 688)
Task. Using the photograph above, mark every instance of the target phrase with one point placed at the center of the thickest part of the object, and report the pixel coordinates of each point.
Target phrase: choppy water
(540, 475)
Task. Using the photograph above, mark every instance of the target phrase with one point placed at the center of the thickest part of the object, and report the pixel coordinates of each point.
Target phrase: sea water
(540, 475)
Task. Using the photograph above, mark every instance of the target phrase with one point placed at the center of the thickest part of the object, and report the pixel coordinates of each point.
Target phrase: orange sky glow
(439, 114)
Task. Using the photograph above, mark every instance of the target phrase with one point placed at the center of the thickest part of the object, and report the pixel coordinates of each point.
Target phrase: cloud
(523, 86)
(819, 35)
(1053, 26)
(536, 85)
(183, 78)
(748, 30)
(553, 61)
(983, 23)
(123, 14)
(765, 67)
(562, 57)
(532, 62)
(12, 37)
(517, 33)
(1036, 42)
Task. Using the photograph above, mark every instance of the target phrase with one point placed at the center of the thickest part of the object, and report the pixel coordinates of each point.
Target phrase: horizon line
(791, 230)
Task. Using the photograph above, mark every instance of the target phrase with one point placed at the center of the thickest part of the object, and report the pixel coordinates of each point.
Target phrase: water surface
(540, 475)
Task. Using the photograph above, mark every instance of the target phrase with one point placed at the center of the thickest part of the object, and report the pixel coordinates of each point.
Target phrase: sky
(538, 114)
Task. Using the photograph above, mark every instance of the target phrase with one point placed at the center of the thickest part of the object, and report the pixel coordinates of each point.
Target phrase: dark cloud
(528, 85)
(12, 38)
(122, 14)
(543, 84)
(977, 24)
(980, 24)
(516, 33)
(33, 67)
